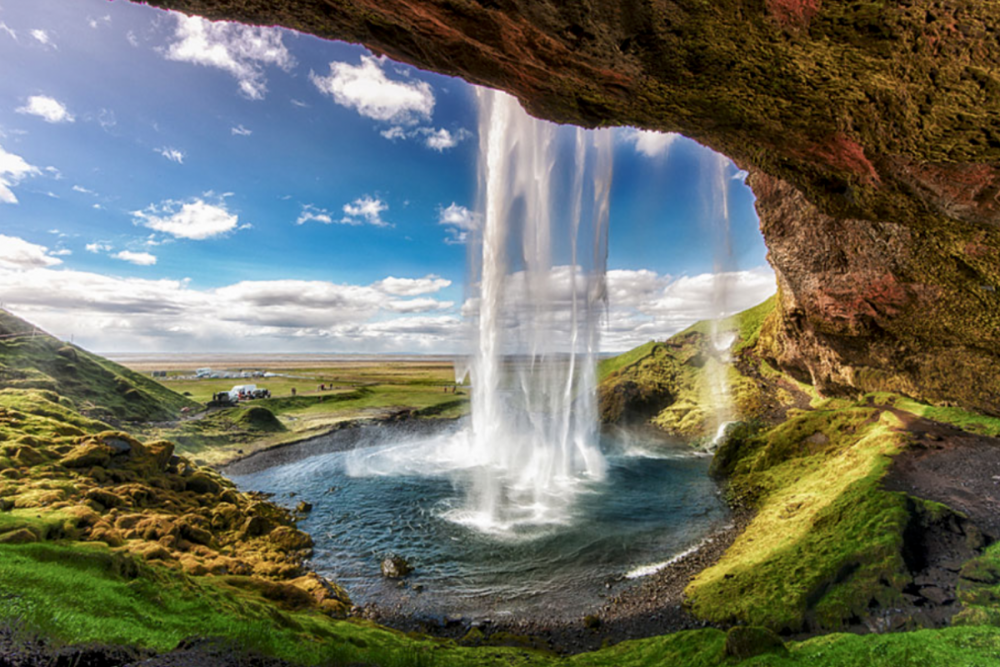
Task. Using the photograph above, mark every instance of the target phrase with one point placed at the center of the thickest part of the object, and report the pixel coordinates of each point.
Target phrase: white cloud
(649, 143)
(393, 133)
(412, 286)
(140, 258)
(195, 219)
(97, 247)
(365, 210)
(61, 252)
(371, 93)
(47, 108)
(83, 190)
(418, 305)
(240, 131)
(132, 39)
(459, 220)
(172, 154)
(13, 169)
(310, 213)
(8, 30)
(43, 37)
(240, 50)
(741, 175)
(20, 254)
(441, 140)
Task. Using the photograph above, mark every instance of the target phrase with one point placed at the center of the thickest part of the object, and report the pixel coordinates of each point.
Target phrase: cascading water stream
(534, 426)
(721, 338)
(538, 300)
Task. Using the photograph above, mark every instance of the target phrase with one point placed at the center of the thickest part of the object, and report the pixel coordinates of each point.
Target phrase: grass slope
(99, 388)
(669, 382)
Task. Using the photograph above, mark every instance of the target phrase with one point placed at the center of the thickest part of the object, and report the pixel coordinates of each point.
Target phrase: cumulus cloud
(240, 131)
(97, 247)
(459, 221)
(365, 210)
(649, 143)
(172, 154)
(18, 253)
(366, 89)
(645, 305)
(412, 286)
(13, 169)
(140, 258)
(441, 140)
(47, 108)
(240, 50)
(195, 219)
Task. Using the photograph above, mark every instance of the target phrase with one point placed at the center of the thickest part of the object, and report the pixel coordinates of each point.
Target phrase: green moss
(825, 540)
(96, 386)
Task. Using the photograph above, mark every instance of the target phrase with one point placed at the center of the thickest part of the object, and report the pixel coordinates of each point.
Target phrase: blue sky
(169, 184)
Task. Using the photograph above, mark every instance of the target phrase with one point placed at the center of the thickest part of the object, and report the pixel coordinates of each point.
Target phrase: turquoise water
(402, 497)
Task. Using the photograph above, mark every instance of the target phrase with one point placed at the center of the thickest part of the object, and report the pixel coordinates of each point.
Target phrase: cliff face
(872, 129)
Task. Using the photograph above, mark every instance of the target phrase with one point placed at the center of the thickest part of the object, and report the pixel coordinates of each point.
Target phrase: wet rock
(395, 567)
(303, 507)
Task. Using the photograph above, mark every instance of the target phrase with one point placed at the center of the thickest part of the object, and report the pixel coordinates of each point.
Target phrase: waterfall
(540, 296)
(721, 338)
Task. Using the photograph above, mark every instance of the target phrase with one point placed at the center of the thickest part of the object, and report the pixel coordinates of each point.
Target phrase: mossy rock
(19, 536)
(89, 454)
(745, 642)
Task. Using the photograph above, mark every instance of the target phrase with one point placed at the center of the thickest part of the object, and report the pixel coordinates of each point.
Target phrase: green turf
(96, 386)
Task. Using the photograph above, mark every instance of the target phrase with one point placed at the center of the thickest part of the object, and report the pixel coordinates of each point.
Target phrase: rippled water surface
(403, 497)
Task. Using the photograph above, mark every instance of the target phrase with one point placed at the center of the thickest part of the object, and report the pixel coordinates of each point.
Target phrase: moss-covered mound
(97, 387)
(64, 476)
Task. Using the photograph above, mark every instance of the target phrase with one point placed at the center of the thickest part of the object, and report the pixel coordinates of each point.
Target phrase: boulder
(303, 507)
(89, 454)
(395, 567)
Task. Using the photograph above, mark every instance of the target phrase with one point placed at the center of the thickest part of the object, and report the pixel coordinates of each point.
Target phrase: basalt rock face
(872, 129)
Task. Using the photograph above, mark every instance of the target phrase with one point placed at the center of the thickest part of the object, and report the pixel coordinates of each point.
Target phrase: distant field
(354, 388)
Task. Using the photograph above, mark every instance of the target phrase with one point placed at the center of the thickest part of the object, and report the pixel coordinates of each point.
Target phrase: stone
(937, 595)
(303, 507)
(395, 567)
(104, 498)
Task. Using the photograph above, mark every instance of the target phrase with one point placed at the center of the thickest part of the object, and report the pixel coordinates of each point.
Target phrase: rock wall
(872, 128)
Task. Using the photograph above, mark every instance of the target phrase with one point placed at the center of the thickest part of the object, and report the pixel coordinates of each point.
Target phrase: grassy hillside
(97, 387)
(669, 383)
